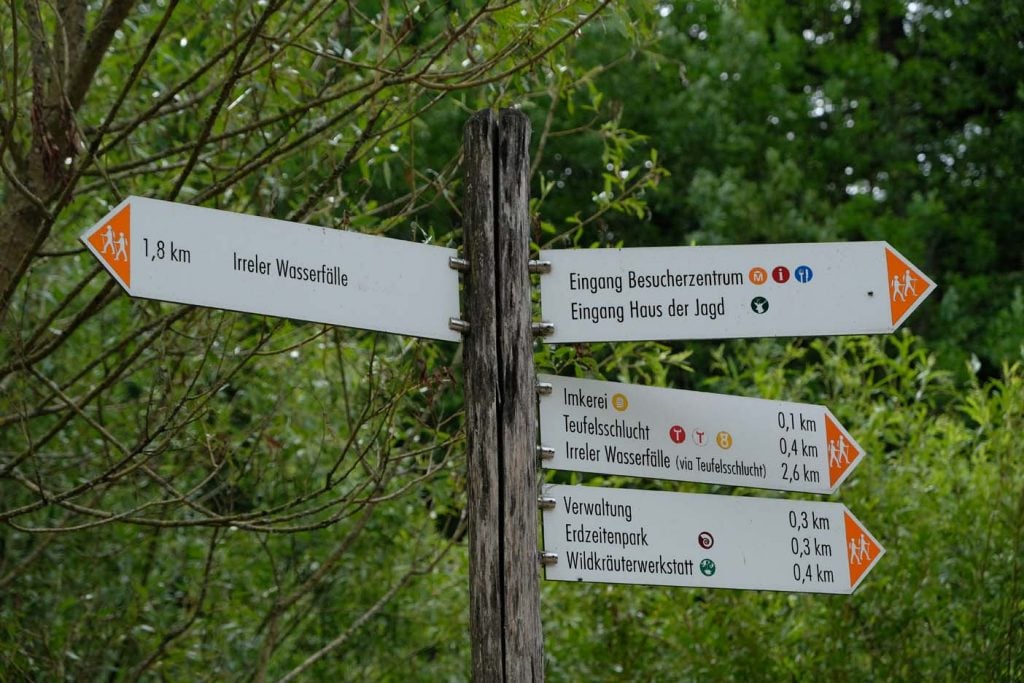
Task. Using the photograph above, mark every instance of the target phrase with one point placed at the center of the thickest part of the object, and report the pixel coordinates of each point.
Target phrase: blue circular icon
(803, 273)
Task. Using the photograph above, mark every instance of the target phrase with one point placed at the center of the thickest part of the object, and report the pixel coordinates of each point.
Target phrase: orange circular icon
(724, 440)
(758, 276)
(620, 402)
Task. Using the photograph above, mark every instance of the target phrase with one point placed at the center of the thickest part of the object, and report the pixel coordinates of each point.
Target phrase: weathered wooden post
(500, 402)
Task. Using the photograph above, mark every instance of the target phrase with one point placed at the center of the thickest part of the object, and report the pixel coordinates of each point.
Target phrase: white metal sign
(685, 539)
(638, 431)
(721, 292)
(192, 255)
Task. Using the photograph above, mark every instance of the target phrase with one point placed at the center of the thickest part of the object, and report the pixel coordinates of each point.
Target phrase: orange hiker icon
(905, 286)
(861, 549)
(841, 450)
(112, 243)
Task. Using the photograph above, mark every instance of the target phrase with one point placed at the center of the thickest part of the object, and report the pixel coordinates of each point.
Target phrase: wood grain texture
(481, 363)
(517, 403)
(501, 419)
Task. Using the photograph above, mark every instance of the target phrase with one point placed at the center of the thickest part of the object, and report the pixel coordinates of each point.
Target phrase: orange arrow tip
(842, 452)
(907, 285)
(861, 549)
(111, 242)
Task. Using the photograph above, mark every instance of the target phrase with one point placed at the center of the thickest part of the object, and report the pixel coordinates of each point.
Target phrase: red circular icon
(677, 434)
(705, 540)
(780, 274)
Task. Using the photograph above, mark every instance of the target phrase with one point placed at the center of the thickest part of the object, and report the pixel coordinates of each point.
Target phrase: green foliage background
(325, 467)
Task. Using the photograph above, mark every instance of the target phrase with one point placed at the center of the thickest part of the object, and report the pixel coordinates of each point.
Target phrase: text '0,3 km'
(686, 539)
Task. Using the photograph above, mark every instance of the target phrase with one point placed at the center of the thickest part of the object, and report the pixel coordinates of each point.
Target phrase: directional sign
(769, 290)
(639, 431)
(191, 255)
(687, 539)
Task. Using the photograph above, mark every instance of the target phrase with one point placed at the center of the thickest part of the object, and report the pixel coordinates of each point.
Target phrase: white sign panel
(205, 257)
(686, 539)
(638, 431)
(769, 290)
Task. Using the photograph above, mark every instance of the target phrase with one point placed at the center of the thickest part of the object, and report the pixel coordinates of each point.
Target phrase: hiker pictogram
(842, 450)
(907, 286)
(862, 551)
(112, 243)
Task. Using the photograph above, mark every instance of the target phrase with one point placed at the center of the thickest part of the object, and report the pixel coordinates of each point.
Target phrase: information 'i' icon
(780, 274)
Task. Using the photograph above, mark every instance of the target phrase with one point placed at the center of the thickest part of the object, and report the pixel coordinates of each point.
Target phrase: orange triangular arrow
(842, 451)
(907, 286)
(111, 242)
(862, 551)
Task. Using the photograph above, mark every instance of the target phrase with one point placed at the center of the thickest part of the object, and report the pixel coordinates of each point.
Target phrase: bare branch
(114, 14)
(180, 630)
(369, 614)
(235, 74)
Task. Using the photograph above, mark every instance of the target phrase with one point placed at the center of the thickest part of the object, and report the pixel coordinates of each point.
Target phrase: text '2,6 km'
(639, 431)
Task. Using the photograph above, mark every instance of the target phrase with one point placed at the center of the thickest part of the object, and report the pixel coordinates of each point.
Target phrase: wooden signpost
(501, 422)
(180, 253)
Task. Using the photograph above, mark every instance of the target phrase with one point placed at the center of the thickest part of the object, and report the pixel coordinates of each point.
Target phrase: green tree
(824, 121)
(942, 488)
(197, 494)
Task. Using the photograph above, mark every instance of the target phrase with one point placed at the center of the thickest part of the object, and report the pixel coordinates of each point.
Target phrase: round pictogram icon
(677, 434)
(705, 540)
(620, 402)
(803, 274)
(700, 437)
(759, 304)
(707, 567)
(780, 274)
(724, 440)
(758, 276)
